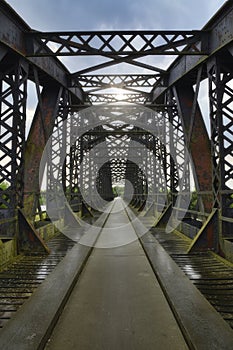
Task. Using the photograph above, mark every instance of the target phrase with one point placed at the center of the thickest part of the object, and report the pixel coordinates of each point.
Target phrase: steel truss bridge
(128, 119)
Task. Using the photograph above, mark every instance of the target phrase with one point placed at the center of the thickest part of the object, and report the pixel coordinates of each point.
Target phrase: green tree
(193, 201)
(3, 187)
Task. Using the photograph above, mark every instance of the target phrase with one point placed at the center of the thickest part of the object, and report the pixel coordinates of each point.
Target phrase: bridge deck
(113, 298)
(117, 302)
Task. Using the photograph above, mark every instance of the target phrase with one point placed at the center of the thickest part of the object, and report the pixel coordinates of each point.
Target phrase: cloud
(120, 14)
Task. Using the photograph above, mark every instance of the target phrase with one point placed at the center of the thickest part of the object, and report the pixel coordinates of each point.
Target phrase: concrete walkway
(117, 302)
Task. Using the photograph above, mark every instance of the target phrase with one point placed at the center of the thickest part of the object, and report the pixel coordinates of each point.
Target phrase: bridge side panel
(40, 132)
(197, 141)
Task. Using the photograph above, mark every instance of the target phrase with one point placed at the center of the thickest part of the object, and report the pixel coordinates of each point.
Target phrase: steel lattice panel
(12, 128)
(221, 104)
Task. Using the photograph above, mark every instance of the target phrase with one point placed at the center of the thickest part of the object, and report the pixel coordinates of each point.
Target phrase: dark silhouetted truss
(147, 124)
(133, 84)
(116, 80)
(139, 98)
(116, 44)
(117, 47)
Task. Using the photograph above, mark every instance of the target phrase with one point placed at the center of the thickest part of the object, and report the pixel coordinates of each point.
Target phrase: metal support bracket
(164, 217)
(150, 211)
(207, 236)
(29, 241)
(86, 211)
(70, 219)
(142, 206)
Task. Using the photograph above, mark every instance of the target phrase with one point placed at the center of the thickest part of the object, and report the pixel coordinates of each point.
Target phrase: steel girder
(40, 132)
(129, 81)
(179, 156)
(138, 98)
(56, 169)
(13, 92)
(205, 53)
(116, 140)
(13, 38)
(104, 182)
(221, 101)
(128, 46)
(116, 48)
(121, 46)
(196, 141)
(220, 35)
(112, 44)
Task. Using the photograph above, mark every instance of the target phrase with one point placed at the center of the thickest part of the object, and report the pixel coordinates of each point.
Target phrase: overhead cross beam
(117, 43)
(137, 98)
(134, 85)
(118, 47)
(131, 82)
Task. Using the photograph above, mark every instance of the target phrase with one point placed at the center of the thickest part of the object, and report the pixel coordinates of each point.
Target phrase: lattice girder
(112, 43)
(12, 129)
(221, 104)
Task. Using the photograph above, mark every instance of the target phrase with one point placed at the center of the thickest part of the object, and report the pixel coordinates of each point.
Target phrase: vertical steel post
(13, 97)
(220, 75)
(197, 142)
(39, 134)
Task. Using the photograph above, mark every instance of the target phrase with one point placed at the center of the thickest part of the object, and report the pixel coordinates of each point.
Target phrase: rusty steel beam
(13, 36)
(132, 43)
(197, 141)
(102, 44)
(220, 72)
(13, 95)
(207, 236)
(40, 132)
(220, 29)
(136, 83)
(134, 98)
(116, 80)
(29, 241)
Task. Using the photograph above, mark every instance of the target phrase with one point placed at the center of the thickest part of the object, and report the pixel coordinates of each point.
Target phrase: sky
(54, 15)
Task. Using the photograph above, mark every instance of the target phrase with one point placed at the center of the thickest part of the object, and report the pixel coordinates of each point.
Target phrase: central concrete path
(117, 302)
